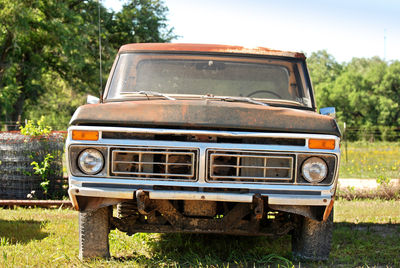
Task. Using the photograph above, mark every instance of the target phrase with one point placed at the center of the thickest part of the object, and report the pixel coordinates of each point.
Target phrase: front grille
(245, 166)
(154, 163)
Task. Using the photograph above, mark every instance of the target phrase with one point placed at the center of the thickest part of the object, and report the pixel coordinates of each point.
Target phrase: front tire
(94, 227)
(312, 239)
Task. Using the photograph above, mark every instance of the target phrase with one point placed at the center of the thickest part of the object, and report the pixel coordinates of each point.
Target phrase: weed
(24, 172)
(35, 129)
(383, 180)
(43, 169)
(4, 241)
(383, 192)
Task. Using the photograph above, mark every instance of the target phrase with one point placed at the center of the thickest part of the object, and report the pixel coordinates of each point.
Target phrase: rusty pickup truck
(205, 139)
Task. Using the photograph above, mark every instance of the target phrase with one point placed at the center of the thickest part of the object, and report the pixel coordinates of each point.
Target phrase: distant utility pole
(384, 44)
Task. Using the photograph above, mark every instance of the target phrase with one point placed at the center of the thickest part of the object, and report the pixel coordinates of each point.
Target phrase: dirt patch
(365, 184)
(384, 230)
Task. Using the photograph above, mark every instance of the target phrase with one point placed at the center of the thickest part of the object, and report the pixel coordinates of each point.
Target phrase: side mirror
(329, 111)
(92, 100)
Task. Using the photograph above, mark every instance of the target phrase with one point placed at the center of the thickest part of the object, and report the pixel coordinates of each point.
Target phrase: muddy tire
(312, 239)
(94, 228)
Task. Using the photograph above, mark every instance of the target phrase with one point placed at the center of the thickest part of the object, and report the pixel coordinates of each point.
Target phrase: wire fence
(371, 134)
(14, 125)
(9, 125)
(18, 179)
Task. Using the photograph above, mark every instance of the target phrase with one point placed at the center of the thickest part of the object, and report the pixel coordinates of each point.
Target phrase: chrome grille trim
(245, 166)
(154, 163)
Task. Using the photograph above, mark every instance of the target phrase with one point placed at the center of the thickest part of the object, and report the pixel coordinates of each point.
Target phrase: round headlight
(314, 169)
(90, 161)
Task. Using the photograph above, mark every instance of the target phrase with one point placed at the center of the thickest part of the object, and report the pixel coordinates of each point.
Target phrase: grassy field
(370, 160)
(366, 233)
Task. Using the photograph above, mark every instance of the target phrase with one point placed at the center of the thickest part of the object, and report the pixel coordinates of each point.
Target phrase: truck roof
(208, 48)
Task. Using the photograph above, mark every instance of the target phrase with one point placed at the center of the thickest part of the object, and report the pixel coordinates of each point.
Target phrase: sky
(345, 28)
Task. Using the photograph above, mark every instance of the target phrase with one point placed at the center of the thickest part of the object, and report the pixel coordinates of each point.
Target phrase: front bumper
(275, 194)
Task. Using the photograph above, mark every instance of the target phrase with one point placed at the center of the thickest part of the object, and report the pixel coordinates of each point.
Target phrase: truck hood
(204, 114)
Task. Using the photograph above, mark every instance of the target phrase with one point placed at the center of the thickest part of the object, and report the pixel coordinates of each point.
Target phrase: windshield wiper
(148, 93)
(242, 99)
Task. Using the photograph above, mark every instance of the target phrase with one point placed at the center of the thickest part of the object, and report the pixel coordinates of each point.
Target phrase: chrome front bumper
(276, 194)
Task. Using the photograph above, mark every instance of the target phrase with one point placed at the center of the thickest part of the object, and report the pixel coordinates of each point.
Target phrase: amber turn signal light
(85, 135)
(321, 144)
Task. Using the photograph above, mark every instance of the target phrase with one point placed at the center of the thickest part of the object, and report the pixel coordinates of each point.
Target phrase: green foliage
(56, 104)
(383, 180)
(43, 169)
(49, 52)
(4, 241)
(138, 13)
(365, 92)
(35, 129)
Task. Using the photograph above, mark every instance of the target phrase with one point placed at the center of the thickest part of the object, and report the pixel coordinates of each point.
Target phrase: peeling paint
(208, 115)
(209, 48)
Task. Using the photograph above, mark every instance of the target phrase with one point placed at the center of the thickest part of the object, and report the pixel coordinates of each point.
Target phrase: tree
(388, 91)
(324, 70)
(323, 67)
(141, 21)
(364, 91)
(49, 45)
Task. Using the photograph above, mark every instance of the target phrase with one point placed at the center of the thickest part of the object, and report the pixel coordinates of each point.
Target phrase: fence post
(345, 141)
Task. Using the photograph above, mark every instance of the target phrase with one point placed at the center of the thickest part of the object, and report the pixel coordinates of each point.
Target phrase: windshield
(189, 76)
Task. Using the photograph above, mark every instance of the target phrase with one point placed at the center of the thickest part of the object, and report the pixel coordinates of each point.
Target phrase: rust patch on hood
(208, 48)
(204, 114)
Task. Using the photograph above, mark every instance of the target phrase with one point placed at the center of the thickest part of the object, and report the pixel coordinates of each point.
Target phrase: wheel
(265, 91)
(311, 240)
(94, 227)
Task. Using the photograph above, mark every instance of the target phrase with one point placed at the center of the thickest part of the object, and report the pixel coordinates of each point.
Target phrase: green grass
(370, 160)
(366, 234)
